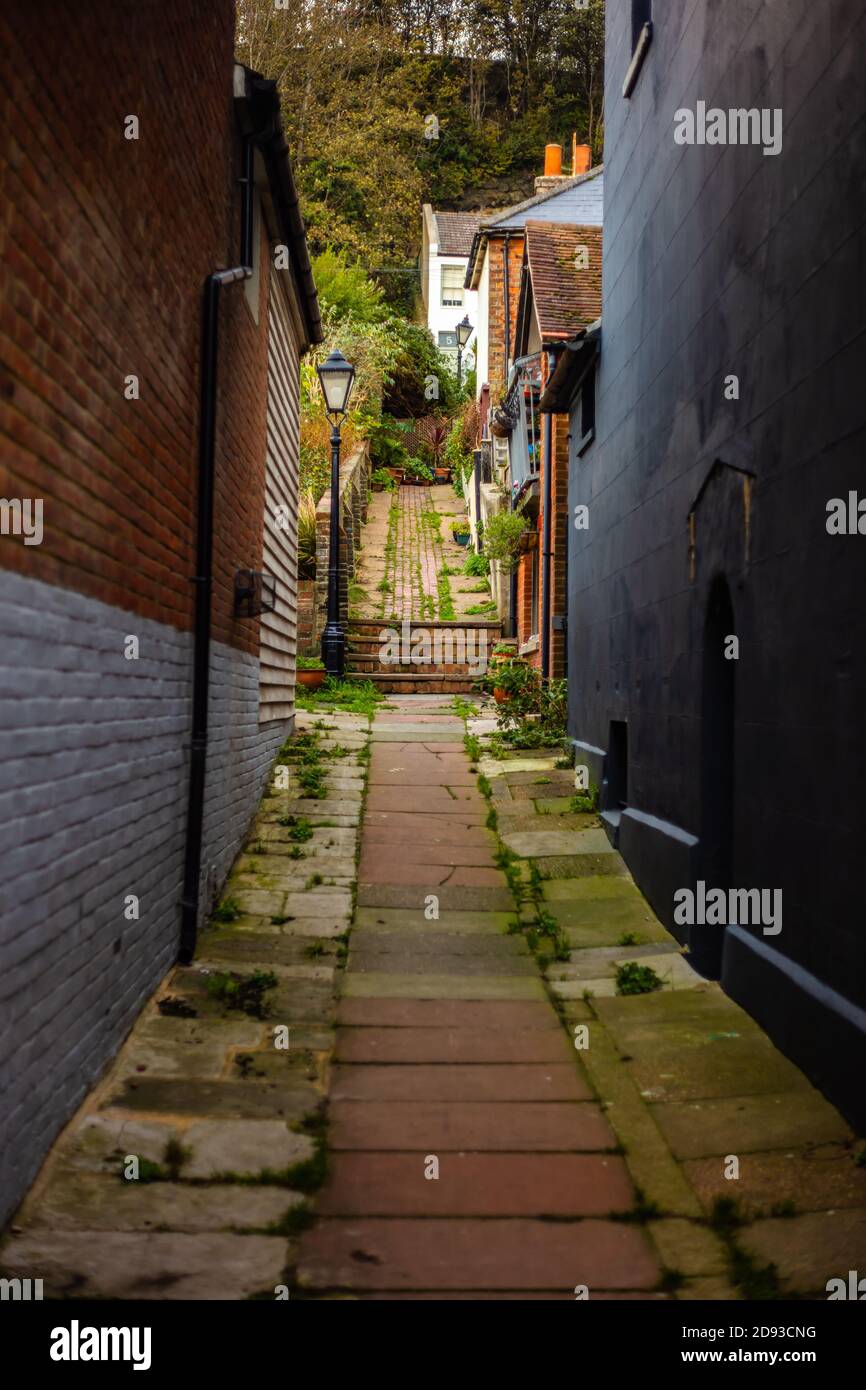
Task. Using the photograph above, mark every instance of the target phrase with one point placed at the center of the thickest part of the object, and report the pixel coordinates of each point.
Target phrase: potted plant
(417, 472)
(461, 532)
(381, 480)
(311, 672)
(516, 682)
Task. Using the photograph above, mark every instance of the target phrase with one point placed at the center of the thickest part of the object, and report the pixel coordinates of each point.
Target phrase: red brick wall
(496, 308)
(104, 246)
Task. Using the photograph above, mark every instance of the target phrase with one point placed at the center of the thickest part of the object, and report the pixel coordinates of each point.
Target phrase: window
(641, 35)
(452, 285)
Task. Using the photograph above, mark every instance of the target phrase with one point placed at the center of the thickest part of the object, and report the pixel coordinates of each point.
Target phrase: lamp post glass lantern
(464, 333)
(336, 378)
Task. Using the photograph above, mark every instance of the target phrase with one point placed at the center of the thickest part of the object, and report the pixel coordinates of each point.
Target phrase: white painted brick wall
(93, 793)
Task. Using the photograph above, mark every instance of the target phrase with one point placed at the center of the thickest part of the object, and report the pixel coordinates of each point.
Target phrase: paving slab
(446, 1013)
(419, 944)
(519, 1081)
(432, 875)
(369, 1254)
(438, 1126)
(484, 1185)
(413, 923)
(808, 1251)
(401, 1045)
(538, 844)
(812, 1179)
(406, 962)
(381, 985)
(132, 1265)
(242, 1147)
(81, 1201)
(750, 1124)
(437, 800)
(465, 898)
(290, 1100)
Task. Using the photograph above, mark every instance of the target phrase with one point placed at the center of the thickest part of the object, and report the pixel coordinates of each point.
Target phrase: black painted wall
(720, 261)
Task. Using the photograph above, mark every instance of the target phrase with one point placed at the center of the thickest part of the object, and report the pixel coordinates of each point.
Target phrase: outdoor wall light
(255, 593)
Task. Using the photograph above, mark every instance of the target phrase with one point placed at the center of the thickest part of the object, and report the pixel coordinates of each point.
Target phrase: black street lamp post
(336, 377)
(464, 333)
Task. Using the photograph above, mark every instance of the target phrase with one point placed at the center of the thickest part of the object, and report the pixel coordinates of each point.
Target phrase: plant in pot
(500, 656)
(311, 671)
(417, 472)
(518, 685)
(381, 480)
(460, 531)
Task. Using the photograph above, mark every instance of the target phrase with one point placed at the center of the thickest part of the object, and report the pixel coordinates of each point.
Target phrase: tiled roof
(565, 298)
(456, 230)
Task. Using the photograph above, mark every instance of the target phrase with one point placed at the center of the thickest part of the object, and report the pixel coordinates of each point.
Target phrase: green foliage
(476, 565)
(358, 82)
(309, 663)
(245, 993)
(502, 537)
(383, 478)
(633, 978)
(229, 910)
(585, 801)
(353, 697)
(346, 289)
(306, 535)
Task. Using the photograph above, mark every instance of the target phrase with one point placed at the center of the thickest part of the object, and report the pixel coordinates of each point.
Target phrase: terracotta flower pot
(500, 696)
(312, 679)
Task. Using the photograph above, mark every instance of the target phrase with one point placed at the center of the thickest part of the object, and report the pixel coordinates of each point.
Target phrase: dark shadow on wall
(718, 697)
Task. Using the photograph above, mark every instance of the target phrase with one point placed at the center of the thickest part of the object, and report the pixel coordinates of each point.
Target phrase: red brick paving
(459, 1045)
(478, 1184)
(491, 1088)
(445, 1013)
(507, 1126)
(465, 1082)
(495, 1254)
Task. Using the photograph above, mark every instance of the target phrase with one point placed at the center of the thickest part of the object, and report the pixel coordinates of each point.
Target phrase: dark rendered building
(717, 576)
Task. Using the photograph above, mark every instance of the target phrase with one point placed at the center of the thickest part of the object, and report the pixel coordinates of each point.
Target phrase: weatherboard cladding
(565, 297)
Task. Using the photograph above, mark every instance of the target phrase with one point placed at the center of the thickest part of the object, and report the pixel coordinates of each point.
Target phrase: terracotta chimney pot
(581, 158)
(552, 160)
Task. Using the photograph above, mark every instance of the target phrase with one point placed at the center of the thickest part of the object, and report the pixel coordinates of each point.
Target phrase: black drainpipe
(204, 559)
(545, 553)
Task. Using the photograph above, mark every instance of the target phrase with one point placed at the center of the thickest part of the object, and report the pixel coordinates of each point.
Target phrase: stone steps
(387, 661)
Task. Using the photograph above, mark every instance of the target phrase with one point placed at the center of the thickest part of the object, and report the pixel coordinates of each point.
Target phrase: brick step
(368, 664)
(370, 628)
(446, 642)
(415, 684)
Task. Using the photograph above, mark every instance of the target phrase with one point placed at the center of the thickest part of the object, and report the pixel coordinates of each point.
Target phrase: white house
(446, 241)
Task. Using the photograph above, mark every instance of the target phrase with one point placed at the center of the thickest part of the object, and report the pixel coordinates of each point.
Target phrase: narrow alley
(407, 1061)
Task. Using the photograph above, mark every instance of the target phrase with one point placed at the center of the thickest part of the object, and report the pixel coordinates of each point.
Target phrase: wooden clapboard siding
(280, 551)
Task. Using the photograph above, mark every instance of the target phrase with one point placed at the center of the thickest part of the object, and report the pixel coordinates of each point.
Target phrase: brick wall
(104, 247)
(496, 251)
